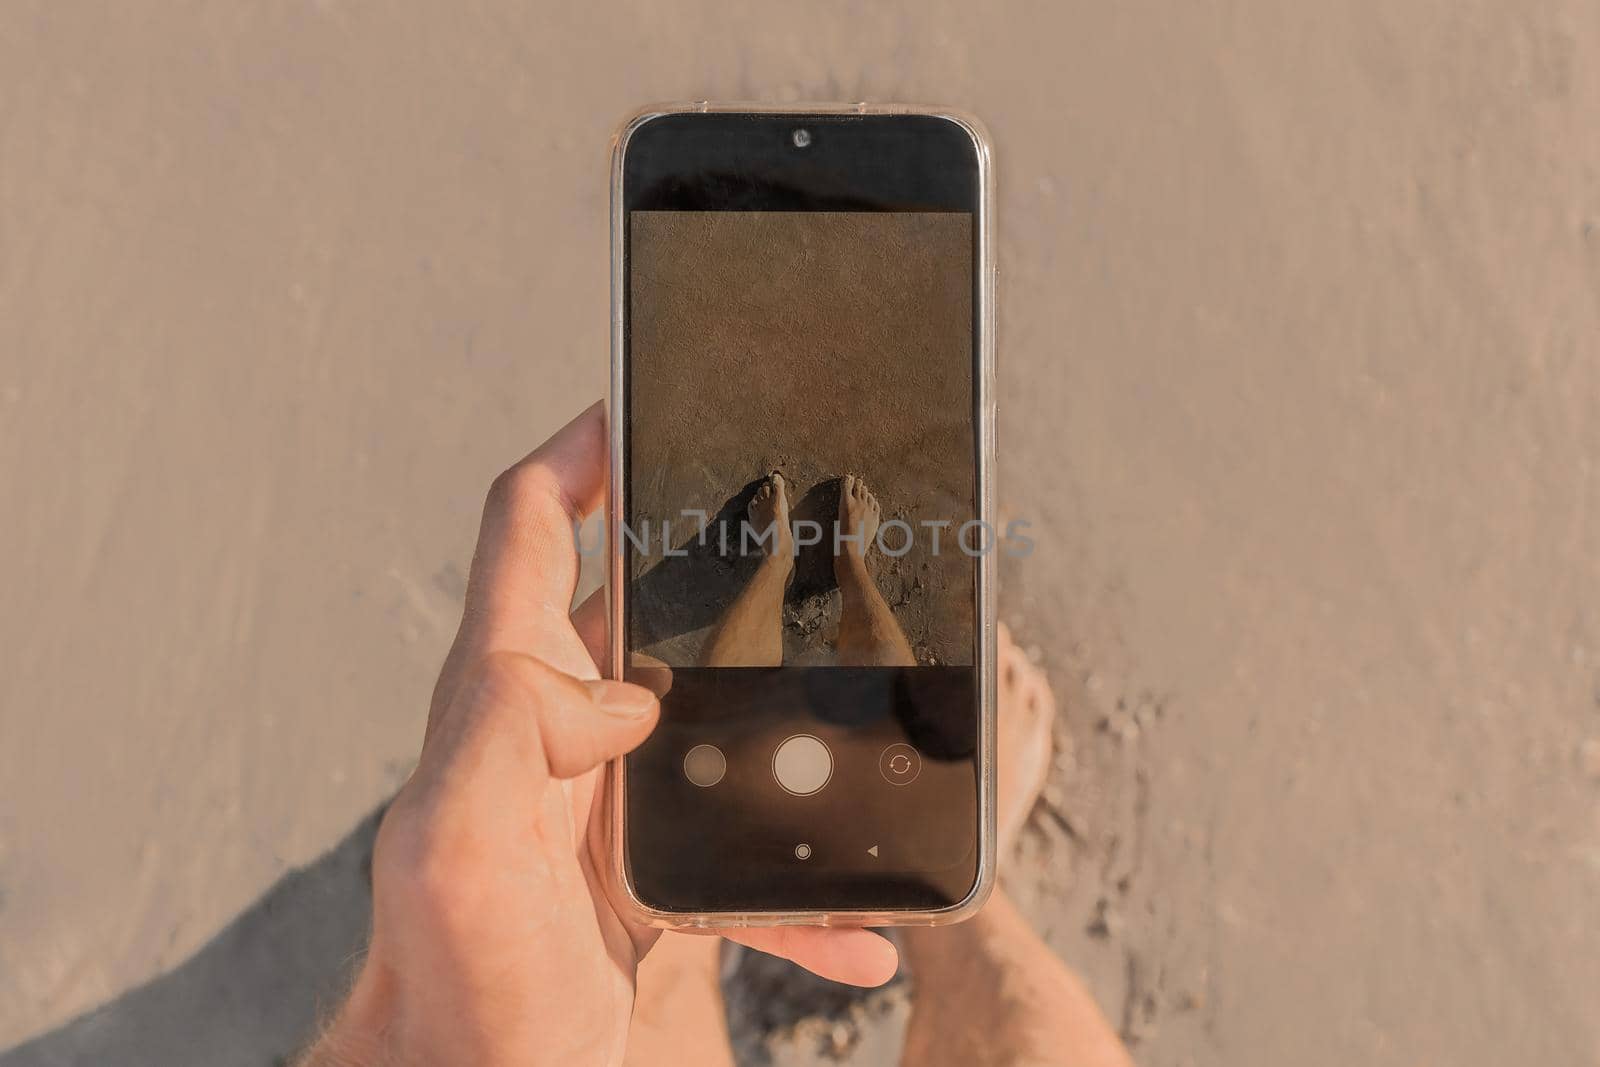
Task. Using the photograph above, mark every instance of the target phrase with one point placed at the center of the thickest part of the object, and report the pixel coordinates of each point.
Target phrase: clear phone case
(616, 581)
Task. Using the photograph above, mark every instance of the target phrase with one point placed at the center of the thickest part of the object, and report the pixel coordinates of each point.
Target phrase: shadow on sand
(253, 996)
(689, 590)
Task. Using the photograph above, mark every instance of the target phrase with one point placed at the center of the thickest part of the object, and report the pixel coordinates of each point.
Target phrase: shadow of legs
(253, 996)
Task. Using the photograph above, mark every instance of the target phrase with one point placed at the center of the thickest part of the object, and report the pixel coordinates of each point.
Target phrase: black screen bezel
(750, 162)
(729, 161)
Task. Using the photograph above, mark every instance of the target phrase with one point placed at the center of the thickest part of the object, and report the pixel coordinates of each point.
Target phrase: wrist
(358, 1035)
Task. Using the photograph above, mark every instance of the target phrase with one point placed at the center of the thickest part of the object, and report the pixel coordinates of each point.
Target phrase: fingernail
(621, 699)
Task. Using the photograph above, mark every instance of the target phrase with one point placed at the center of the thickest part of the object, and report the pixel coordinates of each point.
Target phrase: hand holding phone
(493, 930)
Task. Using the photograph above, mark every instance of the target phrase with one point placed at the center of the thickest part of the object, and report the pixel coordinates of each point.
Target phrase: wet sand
(1298, 372)
(817, 346)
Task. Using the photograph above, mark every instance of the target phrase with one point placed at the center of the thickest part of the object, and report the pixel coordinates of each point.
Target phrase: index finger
(525, 566)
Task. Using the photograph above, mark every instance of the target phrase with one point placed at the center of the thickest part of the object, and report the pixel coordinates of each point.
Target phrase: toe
(1006, 654)
(1036, 695)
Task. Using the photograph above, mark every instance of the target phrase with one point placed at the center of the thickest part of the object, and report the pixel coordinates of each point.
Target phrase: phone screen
(802, 530)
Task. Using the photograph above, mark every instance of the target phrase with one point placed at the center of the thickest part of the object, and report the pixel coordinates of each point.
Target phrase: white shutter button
(802, 765)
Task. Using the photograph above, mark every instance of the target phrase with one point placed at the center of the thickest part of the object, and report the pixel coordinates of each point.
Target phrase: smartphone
(801, 526)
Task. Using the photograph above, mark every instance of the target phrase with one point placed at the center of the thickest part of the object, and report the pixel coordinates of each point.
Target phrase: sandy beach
(1299, 351)
(847, 351)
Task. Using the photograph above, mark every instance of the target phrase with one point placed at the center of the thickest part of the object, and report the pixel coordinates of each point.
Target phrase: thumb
(601, 720)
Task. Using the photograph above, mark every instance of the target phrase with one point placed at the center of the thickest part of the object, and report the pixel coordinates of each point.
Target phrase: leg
(989, 992)
(869, 634)
(750, 634)
(678, 1013)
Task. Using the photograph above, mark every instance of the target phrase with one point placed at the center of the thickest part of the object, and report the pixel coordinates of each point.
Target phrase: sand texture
(1299, 370)
(816, 345)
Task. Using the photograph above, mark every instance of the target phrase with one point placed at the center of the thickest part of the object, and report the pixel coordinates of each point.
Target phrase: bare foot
(750, 632)
(769, 520)
(859, 516)
(1019, 1004)
(1027, 709)
(869, 634)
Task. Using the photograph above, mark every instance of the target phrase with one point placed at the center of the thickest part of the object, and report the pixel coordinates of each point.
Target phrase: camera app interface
(801, 546)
